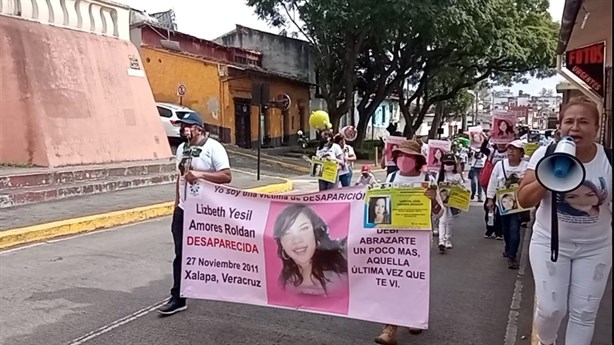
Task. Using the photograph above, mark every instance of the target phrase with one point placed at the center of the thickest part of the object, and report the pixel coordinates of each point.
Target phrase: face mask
(406, 164)
(448, 168)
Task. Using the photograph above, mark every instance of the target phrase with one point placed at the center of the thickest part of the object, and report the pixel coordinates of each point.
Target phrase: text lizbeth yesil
(221, 212)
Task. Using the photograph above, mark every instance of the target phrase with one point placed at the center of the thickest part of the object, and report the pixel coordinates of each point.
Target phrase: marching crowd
(570, 269)
(571, 281)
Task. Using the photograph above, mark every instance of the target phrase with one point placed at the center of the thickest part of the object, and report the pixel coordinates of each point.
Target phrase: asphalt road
(101, 289)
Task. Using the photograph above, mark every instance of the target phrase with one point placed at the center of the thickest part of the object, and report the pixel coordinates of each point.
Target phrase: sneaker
(480, 199)
(388, 336)
(499, 238)
(442, 248)
(414, 331)
(504, 254)
(512, 264)
(448, 244)
(173, 306)
(435, 233)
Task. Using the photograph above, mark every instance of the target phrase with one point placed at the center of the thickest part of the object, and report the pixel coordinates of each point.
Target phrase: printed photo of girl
(306, 266)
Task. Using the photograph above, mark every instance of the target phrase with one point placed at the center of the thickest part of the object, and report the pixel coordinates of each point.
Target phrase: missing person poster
(455, 195)
(507, 201)
(503, 127)
(257, 249)
(397, 207)
(324, 169)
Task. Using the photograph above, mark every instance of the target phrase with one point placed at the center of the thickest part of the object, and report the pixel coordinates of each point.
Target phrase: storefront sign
(587, 63)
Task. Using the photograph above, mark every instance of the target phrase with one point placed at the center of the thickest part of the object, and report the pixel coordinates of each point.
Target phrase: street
(102, 288)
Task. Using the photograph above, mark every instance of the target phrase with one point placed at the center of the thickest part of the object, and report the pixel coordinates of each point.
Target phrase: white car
(169, 115)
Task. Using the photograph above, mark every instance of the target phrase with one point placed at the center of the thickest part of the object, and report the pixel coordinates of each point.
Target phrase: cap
(448, 158)
(517, 144)
(191, 119)
(366, 168)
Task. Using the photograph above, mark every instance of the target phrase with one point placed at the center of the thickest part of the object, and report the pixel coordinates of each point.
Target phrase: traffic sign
(181, 90)
(283, 101)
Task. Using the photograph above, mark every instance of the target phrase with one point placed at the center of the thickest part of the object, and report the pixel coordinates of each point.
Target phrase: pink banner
(503, 127)
(253, 248)
(437, 148)
(391, 144)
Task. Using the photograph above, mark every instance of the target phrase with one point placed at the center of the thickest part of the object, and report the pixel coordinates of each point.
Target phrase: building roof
(245, 28)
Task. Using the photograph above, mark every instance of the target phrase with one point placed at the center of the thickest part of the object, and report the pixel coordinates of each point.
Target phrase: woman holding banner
(449, 173)
(576, 281)
(505, 173)
(410, 162)
(332, 151)
(345, 171)
(313, 263)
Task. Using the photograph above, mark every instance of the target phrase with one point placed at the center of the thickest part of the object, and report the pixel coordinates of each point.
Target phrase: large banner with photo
(307, 252)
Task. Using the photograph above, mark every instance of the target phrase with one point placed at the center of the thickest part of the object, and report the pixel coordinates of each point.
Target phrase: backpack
(554, 219)
(484, 176)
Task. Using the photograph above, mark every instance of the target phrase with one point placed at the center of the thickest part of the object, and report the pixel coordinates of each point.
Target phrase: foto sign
(588, 64)
(181, 90)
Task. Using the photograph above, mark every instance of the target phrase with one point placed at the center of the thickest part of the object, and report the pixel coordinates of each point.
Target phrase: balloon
(349, 133)
(319, 120)
(463, 141)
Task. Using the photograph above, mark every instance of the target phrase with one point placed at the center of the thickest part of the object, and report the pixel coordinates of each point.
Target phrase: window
(165, 112)
(182, 114)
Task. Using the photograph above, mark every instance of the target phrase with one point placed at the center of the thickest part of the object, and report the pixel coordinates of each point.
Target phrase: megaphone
(561, 171)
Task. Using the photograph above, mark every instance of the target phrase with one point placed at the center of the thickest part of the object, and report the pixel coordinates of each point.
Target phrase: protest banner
(437, 148)
(251, 248)
(324, 169)
(503, 127)
(390, 144)
(397, 207)
(507, 202)
(456, 196)
(530, 148)
(476, 134)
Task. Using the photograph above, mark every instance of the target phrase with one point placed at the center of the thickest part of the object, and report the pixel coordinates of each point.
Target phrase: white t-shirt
(497, 156)
(396, 178)
(451, 177)
(213, 157)
(348, 151)
(479, 162)
(333, 152)
(584, 214)
(498, 176)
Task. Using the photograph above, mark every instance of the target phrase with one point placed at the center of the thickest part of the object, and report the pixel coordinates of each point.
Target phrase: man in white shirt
(199, 158)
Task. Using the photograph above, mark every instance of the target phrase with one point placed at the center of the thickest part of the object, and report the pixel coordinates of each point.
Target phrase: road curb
(276, 162)
(41, 232)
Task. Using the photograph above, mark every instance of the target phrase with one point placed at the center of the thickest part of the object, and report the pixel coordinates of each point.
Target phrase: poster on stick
(251, 248)
(503, 127)
(437, 148)
(390, 144)
(476, 134)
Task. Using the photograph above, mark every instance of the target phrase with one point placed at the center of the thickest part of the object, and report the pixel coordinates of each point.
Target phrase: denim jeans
(346, 179)
(325, 185)
(177, 231)
(475, 184)
(576, 283)
(510, 225)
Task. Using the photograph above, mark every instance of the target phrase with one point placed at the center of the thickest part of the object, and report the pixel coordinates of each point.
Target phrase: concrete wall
(66, 104)
(598, 26)
(95, 16)
(280, 54)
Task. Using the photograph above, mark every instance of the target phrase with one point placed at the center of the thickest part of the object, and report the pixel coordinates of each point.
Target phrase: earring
(284, 255)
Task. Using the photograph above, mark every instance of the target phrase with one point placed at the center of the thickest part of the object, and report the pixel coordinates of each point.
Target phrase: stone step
(11, 179)
(49, 192)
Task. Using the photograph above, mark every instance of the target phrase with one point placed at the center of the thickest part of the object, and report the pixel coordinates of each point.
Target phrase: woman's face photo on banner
(305, 256)
(435, 155)
(379, 210)
(508, 202)
(503, 128)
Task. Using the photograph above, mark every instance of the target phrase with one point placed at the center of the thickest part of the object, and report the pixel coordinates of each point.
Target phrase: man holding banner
(199, 158)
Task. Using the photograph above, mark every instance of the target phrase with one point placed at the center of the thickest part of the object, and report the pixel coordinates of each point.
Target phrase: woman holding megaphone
(570, 274)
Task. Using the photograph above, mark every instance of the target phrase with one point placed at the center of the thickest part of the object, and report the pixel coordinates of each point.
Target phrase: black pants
(177, 231)
(496, 229)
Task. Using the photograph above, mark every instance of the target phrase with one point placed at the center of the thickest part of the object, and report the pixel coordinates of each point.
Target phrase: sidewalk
(40, 221)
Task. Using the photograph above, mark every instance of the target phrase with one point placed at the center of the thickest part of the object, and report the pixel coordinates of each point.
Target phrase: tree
(546, 93)
(502, 41)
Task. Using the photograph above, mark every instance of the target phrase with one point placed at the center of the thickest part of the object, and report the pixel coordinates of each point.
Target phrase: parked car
(169, 115)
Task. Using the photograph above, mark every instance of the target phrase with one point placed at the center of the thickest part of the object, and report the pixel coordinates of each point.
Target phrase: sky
(210, 19)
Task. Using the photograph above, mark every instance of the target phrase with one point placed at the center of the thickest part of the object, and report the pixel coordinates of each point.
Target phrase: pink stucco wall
(67, 98)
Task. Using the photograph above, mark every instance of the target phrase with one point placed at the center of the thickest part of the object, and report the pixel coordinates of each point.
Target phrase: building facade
(218, 83)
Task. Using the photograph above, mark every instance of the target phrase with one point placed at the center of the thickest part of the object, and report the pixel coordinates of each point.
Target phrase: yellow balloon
(319, 120)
